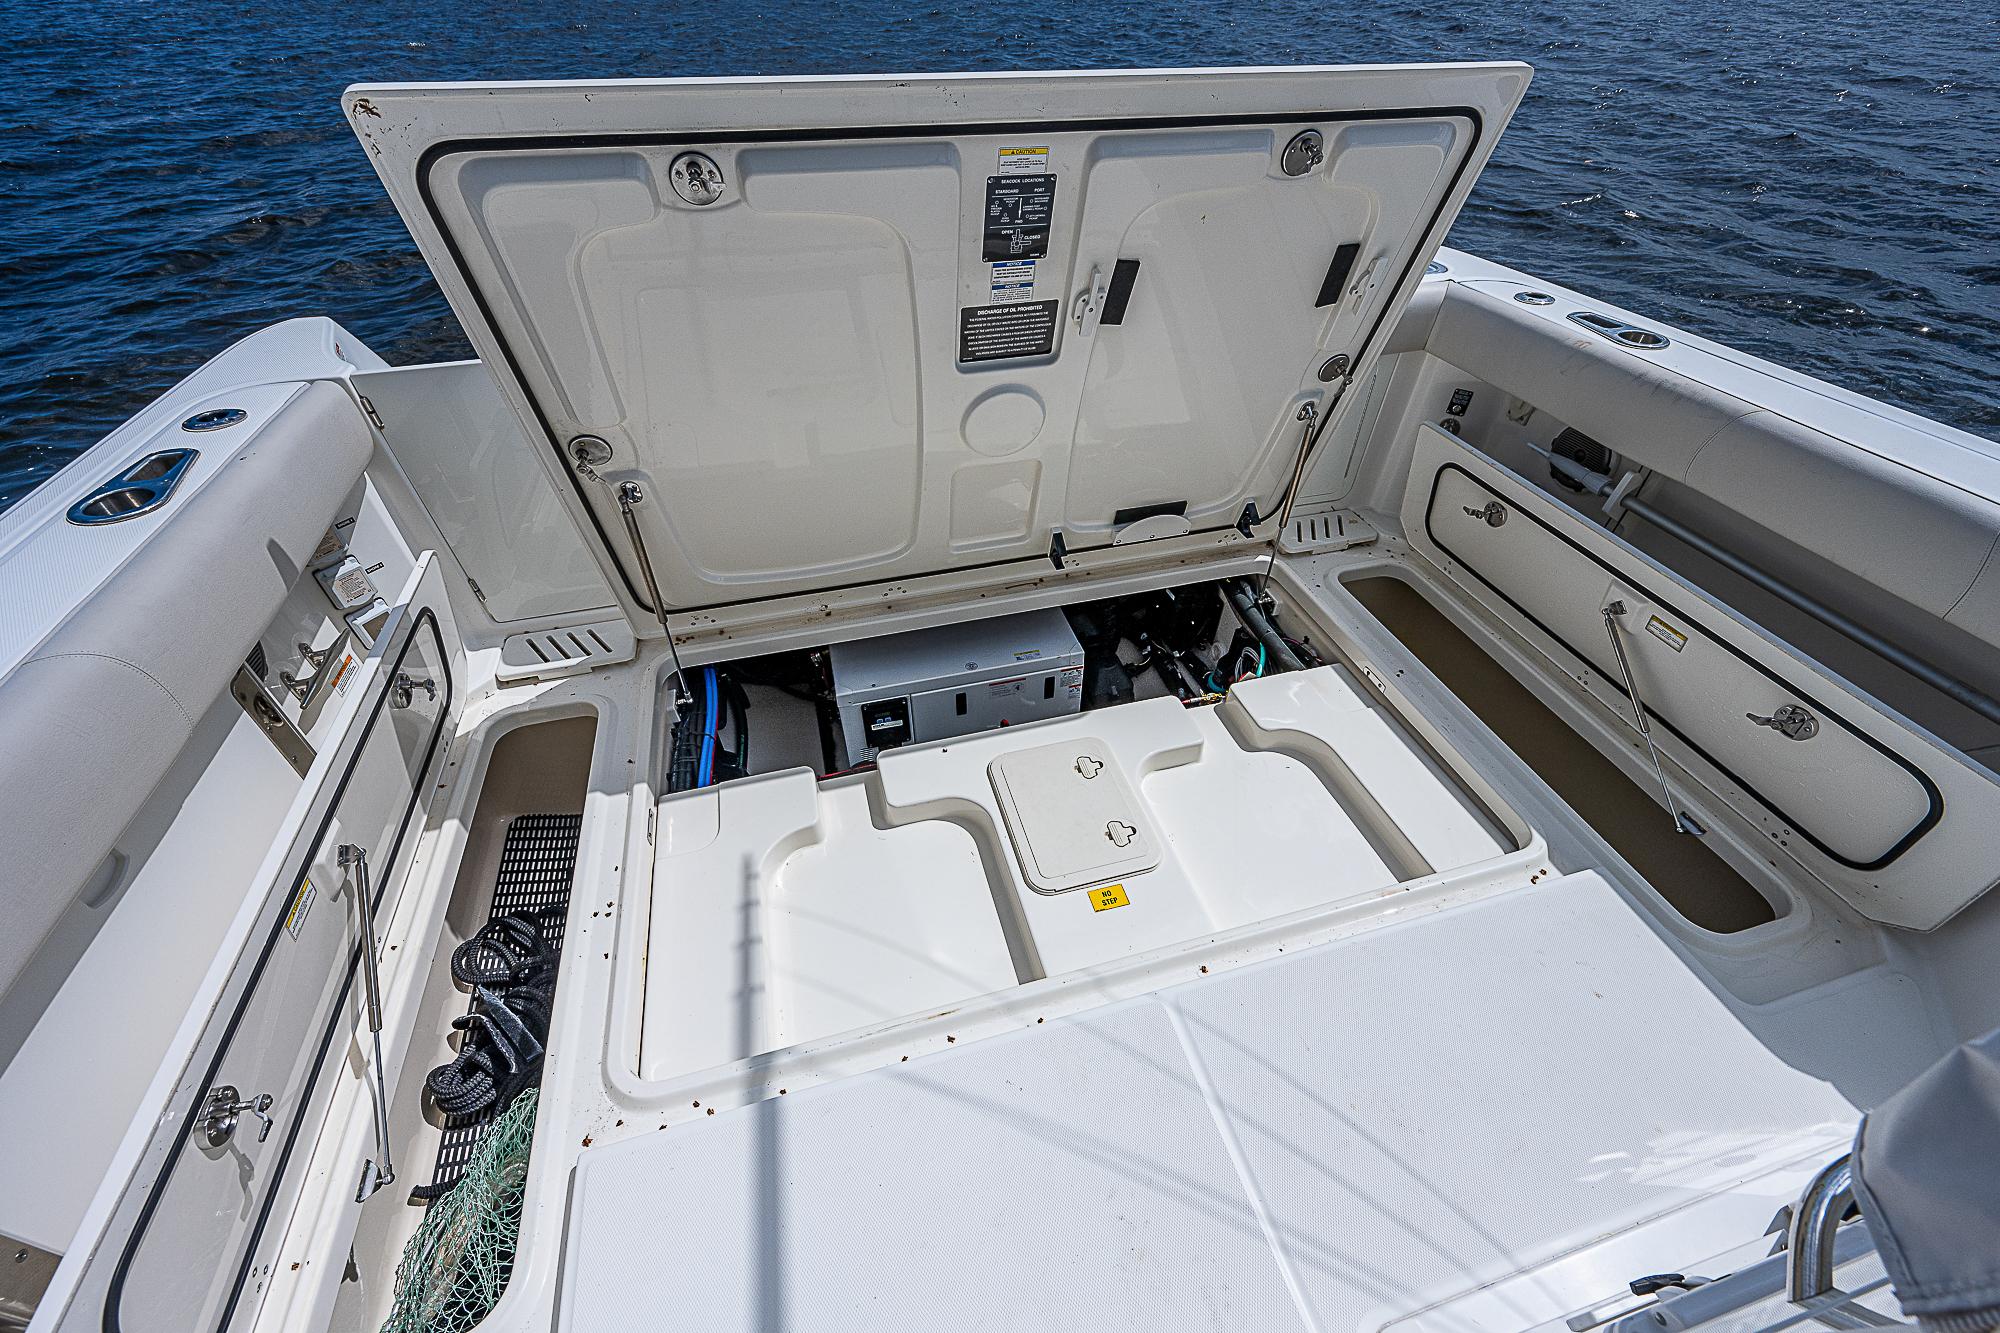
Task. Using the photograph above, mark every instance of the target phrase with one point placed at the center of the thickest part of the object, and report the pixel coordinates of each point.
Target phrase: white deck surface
(786, 912)
(1335, 1139)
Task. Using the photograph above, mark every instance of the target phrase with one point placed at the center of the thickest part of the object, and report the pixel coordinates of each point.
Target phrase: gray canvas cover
(1927, 1174)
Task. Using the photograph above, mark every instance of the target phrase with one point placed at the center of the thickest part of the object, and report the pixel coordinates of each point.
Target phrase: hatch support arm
(1314, 421)
(379, 1170)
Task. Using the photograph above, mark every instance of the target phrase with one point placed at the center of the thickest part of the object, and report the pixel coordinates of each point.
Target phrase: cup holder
(1618, 331)
(119, 502)
(139, 489)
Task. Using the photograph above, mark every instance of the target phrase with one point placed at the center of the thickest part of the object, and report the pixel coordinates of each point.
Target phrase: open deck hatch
(842, 331)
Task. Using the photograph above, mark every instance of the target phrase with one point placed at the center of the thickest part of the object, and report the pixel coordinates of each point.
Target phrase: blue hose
(711, 719)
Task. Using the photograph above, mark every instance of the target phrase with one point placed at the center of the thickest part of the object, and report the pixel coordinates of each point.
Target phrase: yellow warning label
(1108, 897)
(1026, 159)
(1666, 633)
(302, 904)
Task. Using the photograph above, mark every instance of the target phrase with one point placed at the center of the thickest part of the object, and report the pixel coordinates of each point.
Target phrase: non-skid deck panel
(1333, 1139)
(537, 862)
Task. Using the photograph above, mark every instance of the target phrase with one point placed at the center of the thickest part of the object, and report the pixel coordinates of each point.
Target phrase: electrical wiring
(712, 716)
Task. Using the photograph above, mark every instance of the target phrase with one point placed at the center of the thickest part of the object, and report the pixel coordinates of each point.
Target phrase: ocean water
(1818, 184)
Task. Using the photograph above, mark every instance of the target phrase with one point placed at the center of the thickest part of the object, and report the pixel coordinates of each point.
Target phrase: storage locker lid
(844, 331)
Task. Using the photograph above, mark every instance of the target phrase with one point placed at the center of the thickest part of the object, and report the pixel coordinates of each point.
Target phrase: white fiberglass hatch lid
(842, 331)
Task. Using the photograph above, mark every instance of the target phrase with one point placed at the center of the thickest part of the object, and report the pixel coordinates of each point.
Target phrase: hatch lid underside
(887, 327)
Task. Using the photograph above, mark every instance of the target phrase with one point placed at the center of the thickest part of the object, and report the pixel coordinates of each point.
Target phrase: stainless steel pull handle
(380, 1170)
(1683, 823)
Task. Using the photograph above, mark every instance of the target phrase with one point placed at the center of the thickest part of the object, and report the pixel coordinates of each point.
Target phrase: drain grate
(537, 861)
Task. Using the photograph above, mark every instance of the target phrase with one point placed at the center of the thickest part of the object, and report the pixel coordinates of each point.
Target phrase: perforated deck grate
(537, 861)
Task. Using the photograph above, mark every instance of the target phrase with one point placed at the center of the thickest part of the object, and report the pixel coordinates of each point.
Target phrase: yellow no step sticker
(295, 919)
(1666, 633)
(1108, 897)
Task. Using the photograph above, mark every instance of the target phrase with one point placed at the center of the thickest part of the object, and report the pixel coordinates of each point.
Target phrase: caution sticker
(1666, 633)
(1108, 897)
(1027, 160)
(295, 919)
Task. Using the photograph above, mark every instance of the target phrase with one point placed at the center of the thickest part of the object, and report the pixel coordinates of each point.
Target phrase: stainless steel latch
(1492, 513)
(403, 690)
(1791, 721)
(222, 1108)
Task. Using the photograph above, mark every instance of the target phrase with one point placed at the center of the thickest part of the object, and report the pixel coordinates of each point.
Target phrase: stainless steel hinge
(271, 720)
(652, 818)
(374, 417)
(474, 585)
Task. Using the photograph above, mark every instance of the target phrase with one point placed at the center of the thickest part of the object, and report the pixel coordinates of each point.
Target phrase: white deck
(785, 912)
(1331, 1140)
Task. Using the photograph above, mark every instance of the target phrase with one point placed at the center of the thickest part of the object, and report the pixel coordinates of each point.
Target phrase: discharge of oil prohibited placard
(1019, 210)
(997, 332)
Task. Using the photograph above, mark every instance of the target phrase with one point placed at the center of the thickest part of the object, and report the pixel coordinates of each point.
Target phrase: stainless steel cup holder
(118, 502)
(1641, 338)
(1618, 331)
(139, 489)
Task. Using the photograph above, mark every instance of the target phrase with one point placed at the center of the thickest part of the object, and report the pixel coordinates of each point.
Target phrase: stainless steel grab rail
(379, 1170)
(1810, 1230)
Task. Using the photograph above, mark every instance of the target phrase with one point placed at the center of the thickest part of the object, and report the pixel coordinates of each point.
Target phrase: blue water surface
(1818, 184)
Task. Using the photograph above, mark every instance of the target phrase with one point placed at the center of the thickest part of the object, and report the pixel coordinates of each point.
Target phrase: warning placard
(998, 332)
(1025, 160)
(1013, 282)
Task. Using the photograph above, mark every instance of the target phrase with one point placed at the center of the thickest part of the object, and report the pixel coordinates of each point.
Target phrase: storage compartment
(1700, 885)
(1891, 820)
(519, 856)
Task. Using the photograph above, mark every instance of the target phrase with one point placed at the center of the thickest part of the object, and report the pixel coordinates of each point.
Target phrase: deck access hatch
(1073, 817)
(925, 324)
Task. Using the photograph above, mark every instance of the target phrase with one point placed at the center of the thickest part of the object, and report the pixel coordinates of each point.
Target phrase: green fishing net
(456, 1266)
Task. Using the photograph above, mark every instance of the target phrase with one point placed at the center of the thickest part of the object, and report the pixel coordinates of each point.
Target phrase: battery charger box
(933, 684)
